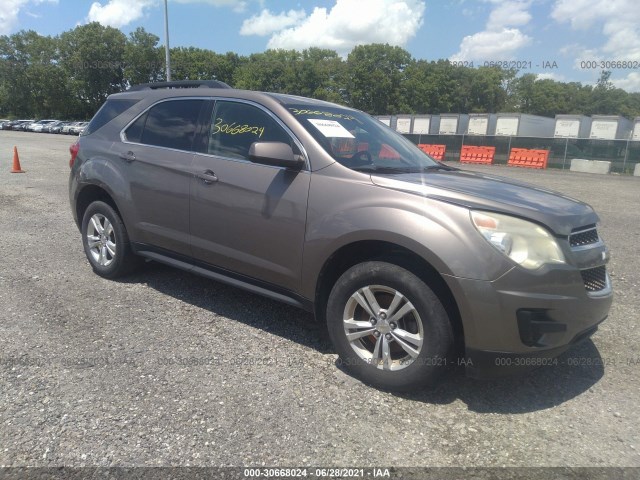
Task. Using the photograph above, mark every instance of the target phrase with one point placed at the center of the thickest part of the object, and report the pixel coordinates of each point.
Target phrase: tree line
(70, 75)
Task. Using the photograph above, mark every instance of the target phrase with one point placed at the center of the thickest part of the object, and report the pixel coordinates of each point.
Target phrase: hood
(474, 190)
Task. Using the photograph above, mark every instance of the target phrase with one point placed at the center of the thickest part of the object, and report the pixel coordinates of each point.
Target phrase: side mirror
(278, 154)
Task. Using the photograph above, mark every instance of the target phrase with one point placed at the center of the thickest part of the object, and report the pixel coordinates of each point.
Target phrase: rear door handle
(208, 177)
(127, 157)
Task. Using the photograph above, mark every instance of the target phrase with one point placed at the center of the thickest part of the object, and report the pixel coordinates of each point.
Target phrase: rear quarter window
(110, 110)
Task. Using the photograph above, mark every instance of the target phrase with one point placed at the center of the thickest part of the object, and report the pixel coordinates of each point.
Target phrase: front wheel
(388, 327)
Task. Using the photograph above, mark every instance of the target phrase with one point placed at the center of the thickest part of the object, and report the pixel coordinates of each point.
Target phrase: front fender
(343, 211)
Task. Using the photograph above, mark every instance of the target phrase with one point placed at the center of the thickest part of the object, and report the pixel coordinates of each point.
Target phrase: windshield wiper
(375, 169)
(392, 170)
(365, 168)
(439, 166)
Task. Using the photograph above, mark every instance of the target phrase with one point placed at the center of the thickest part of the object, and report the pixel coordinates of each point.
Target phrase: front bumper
(524, 320)
(484, 364)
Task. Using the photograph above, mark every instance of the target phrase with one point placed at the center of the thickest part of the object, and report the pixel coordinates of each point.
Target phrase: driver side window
(235, 126)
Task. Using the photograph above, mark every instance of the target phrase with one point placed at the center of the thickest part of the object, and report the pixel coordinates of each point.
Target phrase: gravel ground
(169, 369)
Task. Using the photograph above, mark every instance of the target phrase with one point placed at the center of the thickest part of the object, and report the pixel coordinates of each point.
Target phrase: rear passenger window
(235, 126)
(170, 124)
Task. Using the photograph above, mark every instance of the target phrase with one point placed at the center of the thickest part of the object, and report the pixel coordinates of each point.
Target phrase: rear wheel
(106, 242)
(388, 327)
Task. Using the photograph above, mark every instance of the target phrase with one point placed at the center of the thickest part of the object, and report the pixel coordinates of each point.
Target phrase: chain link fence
(623, 154)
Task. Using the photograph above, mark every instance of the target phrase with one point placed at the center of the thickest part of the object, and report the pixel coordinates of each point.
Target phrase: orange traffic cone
(16, 162)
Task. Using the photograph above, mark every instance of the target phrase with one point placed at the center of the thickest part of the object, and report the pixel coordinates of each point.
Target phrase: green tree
(272, 70)
(606, 99)
(631, 107)
(524, 93)
(224, 66)
(548, 98)
(577, 97)
(92, 57)
(314, 72)
(488, 92)
(420, 87)
(200, 64)
(604, 81)
(70, 76)
(143, 59)
(375, 78)
(31, 82)
(13, 74)
(322, 75)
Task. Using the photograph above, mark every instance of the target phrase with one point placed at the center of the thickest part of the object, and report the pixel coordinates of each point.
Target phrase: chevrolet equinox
(408, 261)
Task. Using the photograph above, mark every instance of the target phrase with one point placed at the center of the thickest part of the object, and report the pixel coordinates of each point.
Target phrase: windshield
(361, 142)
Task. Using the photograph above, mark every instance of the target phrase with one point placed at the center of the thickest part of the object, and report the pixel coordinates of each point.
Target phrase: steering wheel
(362, 158)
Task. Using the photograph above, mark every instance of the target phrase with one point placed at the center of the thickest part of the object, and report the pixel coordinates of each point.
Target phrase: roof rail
(180, 84)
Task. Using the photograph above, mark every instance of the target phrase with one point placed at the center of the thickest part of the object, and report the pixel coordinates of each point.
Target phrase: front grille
(595, 279)
(584, 236)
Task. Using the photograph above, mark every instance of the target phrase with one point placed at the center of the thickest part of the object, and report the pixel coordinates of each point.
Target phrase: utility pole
(166, 43)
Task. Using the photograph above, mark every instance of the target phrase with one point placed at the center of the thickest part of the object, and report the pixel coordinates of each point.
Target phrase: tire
(106, 242)
(401, 342)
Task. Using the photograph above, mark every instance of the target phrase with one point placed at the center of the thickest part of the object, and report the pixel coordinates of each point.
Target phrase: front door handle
(128, 157)
(208, 177)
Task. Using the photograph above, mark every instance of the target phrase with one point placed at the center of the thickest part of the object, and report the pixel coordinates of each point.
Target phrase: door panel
(156, 160)
(159, 180)
(251, 220)
(247, 217)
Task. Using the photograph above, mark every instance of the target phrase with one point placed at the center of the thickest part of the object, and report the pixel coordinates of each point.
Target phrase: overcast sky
(559, 39)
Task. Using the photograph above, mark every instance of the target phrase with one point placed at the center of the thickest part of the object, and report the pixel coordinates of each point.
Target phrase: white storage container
(610, 127)
(636, 129)
(403, 124)
(421, 124)
(524, 125)
(482, 124)
(572, 126)
(453, 124)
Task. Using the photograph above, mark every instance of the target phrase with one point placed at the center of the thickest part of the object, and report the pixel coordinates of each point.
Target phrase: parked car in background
(27, 126)
(21, 125)
(48, 127)
(8, 125)
(57, 128)
(77, 128)
(39, 125)
(66, 129)
(2, 122)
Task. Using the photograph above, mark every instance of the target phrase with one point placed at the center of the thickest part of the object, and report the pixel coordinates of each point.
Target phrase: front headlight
(526, 243)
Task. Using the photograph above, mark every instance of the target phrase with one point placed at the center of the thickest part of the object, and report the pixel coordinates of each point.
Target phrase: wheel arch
(374, 250)
(89, 194)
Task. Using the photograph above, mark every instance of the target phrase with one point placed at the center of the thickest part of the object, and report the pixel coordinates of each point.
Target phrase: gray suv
(412, 264)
